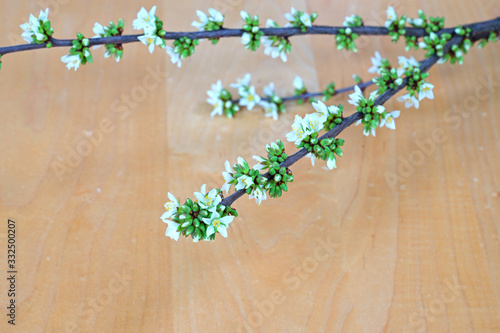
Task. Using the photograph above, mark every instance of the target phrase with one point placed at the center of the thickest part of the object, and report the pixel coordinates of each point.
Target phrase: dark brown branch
(479, 30)
(425, 65)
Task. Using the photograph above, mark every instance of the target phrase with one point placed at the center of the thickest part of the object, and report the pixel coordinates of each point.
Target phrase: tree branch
(425, 65)
(479, 30)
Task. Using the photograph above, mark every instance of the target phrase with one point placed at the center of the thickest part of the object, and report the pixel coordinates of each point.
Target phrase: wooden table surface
(347, 250)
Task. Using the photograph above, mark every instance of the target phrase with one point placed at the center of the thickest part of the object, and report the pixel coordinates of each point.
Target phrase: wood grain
(343, 251)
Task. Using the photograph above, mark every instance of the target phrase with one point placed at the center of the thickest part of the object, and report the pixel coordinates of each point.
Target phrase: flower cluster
(334, 117)
(329, 91)
(279, 176)
(248, 96)
(79, 53)
(434, 44)
(251, 37)
(183, 48)
(345, 38)
(390, 78)
(273, 104)
(373, 115)
(379, 63)
(276, 46)
(417, 88)
(305, 131)
(300, 19)
(201, 219)
(395, 25)
(38, 30)
(245, 178)
(153, 28)
(326, 149)
(211, 22)
(458, 50)
(112, 30)
(221, 100)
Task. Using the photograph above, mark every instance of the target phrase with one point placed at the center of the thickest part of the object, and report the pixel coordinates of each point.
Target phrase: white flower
(261, 160)
(246, 38)
(242, 84)
(306, 19)
(377, 63)
(273, 51)
(298, 83)
(72, 61)
(150, 41)
(244, 182)
(258, 194)
(269, 89)
(32, 27)
(426, 91)
(321, 108)
(172, 230)
(368, 132)
(249, 98)
(332, 161)
(171, 207)
(391, 16)
(312, 156)
(43, 16)
(349, 20)
(298, 133)
(270, 108)
(409, 101)
(203, 20)
(388, 121)
(99, 31)
(241, 161)
(404, 63)
(145, 21)
(417, 22)
(174, 56)
(214, 98)
(216, 223)
(208, 200)
(244, 15)
(313, 122)
(290, 17)
(228, 177)
(215, 16)
(356, 96)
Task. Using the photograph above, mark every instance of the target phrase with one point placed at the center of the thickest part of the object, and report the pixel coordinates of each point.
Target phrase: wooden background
(343, 251)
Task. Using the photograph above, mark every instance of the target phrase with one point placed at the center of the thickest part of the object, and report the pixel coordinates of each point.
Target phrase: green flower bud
(186, 224)
(189, 230)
